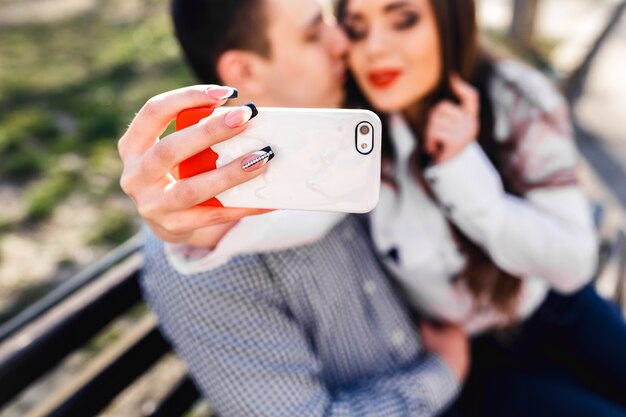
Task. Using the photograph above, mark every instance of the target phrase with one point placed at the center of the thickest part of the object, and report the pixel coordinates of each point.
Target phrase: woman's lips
(384, 78)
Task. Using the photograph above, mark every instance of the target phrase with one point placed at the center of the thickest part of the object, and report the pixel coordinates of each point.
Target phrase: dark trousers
(568, 359)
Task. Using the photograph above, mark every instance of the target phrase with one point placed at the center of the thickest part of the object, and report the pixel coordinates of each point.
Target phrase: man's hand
(453, 126)
(451, 343)
(170, 205)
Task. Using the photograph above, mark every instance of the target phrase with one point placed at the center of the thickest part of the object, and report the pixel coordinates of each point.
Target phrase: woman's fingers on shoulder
(467, 94)
(448, 109)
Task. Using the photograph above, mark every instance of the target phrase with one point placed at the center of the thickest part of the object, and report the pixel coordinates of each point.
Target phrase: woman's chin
(397, 99)
(387, 106)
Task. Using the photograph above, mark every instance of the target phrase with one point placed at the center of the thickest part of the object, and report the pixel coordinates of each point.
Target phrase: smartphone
(325, 159)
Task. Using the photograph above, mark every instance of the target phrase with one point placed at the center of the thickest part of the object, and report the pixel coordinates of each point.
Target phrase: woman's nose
(376, 43)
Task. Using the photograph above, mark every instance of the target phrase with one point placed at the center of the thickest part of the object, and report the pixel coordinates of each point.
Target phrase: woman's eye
(355, 34)
(408, 20)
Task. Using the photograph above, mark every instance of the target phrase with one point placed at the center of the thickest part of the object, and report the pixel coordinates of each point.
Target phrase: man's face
(306, 67)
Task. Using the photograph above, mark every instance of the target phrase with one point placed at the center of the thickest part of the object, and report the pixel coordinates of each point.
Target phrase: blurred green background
(72, 75)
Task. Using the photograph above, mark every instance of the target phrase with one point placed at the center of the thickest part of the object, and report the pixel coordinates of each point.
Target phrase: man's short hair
(208, 28)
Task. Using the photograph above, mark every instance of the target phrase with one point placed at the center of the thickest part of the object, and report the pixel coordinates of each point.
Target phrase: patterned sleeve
(250, 357)
(547, 232)
(532, 114)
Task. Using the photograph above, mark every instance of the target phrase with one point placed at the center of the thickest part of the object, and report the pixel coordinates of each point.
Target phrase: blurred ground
(14, 13)
(601, 110)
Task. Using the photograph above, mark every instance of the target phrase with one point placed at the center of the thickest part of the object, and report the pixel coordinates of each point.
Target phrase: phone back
(317, 165)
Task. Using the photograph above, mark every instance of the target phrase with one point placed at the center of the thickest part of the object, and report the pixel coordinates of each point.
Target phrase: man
(305, 323)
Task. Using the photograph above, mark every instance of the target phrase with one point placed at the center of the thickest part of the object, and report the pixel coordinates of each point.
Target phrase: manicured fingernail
(252, 107)
(241, 115)
(258, 159)
(222, 93)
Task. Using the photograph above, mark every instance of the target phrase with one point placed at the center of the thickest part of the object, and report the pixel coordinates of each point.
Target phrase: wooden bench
(41, 337)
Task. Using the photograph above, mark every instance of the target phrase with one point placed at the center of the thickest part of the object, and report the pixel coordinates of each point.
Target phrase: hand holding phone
(322, 159)
(169, 206)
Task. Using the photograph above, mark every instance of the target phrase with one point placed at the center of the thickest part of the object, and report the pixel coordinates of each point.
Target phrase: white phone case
(317, 165)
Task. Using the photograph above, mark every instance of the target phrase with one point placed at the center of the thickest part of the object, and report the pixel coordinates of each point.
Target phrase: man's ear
(243, 70)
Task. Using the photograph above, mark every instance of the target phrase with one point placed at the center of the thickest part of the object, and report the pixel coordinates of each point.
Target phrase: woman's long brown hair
(460, 53)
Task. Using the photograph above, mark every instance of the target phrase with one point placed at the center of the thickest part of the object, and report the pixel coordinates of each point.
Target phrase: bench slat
(69, 287)
(44, 343)
(179, 400)
(113, 371)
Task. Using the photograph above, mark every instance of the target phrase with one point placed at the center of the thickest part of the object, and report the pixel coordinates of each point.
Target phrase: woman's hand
(450, 342)
(452, 126)
(169, 205)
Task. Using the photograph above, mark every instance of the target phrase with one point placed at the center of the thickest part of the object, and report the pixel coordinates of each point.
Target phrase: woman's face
(394, 50)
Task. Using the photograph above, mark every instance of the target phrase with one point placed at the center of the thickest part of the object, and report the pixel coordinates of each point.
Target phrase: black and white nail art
(257, 159)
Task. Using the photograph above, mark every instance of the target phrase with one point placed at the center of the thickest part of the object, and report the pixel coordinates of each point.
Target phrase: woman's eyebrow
(388, 8)
(395, 6)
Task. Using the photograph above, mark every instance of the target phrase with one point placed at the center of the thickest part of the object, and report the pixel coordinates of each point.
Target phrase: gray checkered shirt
(315, 330)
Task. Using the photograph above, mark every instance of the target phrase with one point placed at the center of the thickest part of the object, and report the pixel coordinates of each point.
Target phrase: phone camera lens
(364, 136)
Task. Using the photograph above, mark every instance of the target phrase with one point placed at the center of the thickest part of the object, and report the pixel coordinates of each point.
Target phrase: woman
(481, 214)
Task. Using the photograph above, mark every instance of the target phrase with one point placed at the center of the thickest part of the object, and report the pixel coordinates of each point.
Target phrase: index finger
(160, 110)
(467, 94)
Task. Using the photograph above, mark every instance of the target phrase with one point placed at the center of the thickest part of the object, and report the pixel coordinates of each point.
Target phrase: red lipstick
(383, 78)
